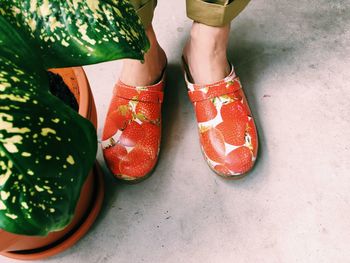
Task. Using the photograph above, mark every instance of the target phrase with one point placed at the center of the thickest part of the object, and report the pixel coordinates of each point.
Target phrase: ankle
(137, 73)
(155, 56)
(205, 53)
(213, 39)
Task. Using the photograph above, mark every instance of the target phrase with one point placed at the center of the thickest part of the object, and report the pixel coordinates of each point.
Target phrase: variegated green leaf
(46, 152)
(78, 32)
(47, 149)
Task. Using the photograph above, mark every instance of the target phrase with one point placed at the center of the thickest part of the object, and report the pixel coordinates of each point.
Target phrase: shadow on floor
(251, 61)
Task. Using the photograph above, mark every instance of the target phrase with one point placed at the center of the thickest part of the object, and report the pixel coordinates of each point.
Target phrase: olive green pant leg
(145, 10)
(214, 12)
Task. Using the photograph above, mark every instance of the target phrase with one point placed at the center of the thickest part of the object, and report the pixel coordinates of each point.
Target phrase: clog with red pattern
(132, 131)
(227, 131)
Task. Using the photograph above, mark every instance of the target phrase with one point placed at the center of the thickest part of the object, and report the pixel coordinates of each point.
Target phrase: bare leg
(205, 53)
(135, 73)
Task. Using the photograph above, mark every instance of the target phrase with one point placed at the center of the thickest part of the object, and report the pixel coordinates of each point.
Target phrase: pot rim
(84, 92)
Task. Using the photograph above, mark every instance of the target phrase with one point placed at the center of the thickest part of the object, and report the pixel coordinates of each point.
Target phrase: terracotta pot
(91, 197)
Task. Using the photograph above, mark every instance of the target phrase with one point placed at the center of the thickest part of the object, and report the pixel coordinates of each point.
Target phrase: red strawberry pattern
(226, 127)
(205, 110)
(132, 132)
(213, 143)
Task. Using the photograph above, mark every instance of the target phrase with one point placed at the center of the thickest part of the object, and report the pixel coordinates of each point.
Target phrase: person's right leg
(134, 72)
(132, 132)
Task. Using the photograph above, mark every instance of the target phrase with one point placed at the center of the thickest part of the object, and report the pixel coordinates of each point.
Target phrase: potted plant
(47, 150)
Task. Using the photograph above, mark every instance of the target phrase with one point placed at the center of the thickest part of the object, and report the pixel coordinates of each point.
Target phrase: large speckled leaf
(78, 32)
(46, 152)
(47, 149)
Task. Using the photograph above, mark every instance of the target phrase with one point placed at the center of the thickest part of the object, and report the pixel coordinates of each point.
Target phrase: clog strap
(211, 91)
(151, 94)
(145, 94)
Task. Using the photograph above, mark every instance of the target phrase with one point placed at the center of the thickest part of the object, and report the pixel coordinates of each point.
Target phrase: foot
(136, 73)
(226, 127)
(227, 130)
(206, 53)
(132, 132)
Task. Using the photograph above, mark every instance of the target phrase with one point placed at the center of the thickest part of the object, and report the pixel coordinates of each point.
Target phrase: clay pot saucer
(75, 235)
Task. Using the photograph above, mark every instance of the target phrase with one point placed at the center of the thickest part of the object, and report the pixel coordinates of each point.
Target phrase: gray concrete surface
(293, 58)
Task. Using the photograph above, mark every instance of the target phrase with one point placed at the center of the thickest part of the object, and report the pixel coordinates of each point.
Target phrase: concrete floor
(293, 58)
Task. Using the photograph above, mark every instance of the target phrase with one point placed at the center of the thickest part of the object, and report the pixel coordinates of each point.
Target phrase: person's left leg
(226, 127)
(205, 51)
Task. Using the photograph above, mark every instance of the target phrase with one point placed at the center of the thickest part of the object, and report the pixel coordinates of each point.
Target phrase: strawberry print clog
(227, 132)
(132, 131)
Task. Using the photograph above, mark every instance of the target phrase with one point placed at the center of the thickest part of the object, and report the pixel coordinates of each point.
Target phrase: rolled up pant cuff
(146, 12)
(213, 14)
